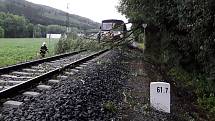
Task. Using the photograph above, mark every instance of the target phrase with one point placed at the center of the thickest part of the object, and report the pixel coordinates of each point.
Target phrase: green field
(18, 50)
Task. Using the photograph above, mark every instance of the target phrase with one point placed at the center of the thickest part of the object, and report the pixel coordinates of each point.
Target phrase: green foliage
(37, 31)
(1, 32)
(180, 34)
(14, 26)
(179, 30)
(208, 103)
(30, 28)
(203, 88)
(42, 30)
(180, 74)
(63, 45)
(72, 42)
(110, 106)
(56, 29)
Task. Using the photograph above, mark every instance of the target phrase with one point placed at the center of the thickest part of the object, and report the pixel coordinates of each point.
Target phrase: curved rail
(13, 90)
(30, 63)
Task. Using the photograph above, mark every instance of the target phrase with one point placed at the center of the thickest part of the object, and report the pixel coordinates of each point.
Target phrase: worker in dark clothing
(99, 37)
(43, 50)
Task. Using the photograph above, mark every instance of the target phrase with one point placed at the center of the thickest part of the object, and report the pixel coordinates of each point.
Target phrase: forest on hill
(20, 18)
(40, 14)
(14, 26)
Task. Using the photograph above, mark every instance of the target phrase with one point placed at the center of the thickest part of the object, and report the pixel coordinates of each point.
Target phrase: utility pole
(34, 31)
(67, 20)
(144, 40)
(144, 26)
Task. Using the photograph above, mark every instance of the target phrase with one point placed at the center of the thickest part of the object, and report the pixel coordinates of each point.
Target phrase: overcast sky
(96, 10)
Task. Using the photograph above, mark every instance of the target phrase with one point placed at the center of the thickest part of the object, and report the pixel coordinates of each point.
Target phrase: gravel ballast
(91, 94)
(111, 88)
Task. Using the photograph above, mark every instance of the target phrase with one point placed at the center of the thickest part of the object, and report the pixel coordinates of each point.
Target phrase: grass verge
(16, 50)
(198, 85)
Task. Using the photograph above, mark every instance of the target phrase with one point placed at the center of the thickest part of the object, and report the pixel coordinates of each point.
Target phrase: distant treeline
(14, 26)
(40, 14)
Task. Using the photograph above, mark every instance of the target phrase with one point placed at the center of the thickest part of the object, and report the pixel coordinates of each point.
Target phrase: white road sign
(144, 25)
(53, 36)
(160, 96)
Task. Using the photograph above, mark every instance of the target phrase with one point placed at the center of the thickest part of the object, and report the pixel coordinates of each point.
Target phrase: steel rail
(16, 89)
(30, 63)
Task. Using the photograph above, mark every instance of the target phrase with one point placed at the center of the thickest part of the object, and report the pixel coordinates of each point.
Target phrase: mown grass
(18, 50)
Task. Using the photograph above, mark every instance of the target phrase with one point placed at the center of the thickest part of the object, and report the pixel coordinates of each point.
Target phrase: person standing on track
(43, 50)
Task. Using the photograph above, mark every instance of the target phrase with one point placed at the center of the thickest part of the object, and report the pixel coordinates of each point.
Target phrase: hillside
(40, 14)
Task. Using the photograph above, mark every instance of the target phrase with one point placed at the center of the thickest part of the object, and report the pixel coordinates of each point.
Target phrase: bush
(73, 43)
(203, 88)
(63, 45)
(180, 34)
(110, 106)
(208, 103)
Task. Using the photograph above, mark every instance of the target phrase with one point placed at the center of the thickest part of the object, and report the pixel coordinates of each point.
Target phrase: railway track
(18, 78)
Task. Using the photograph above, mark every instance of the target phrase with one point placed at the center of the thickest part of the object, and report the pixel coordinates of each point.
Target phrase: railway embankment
(136, 102)
(114, 86)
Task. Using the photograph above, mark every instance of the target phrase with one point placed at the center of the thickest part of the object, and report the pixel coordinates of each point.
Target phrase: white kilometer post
(160, 96)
